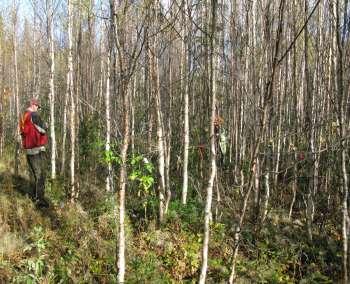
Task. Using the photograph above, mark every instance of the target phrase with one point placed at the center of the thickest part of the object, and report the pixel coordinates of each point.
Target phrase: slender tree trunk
(120, 38)
(132, 110)
(35, 88)
(185, 90)
(341, 100)
(257, 197)
(154, 66)
(74, 193)
(160, 137)
(16, 84)
(147, 89)
(295, 117)
(122, 187)
(79, 88)
(267, 196)
(168, 140)
(50, 22)
(209, 189)
(294, 187)
(108, 120)
(64, 134)
(308, 122)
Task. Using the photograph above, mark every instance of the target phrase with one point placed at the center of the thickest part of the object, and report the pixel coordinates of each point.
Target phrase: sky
(25, 9)
(24, 5)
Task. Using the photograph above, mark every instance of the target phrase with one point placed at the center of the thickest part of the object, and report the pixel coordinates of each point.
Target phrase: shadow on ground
(25, 188)
(22, 185)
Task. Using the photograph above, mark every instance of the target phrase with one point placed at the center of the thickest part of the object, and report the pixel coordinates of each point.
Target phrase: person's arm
(38, 123)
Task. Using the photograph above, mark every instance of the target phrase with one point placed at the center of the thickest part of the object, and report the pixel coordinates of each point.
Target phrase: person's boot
(43, 203)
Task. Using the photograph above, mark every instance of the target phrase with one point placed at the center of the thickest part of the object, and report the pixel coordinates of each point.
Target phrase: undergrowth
(76, 243)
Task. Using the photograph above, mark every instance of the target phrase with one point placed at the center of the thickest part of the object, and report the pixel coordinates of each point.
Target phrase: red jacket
(31, 136)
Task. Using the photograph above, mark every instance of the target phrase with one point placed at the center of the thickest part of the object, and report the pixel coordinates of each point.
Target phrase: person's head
(34, 104)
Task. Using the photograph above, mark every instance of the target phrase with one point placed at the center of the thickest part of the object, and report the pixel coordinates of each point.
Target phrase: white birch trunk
(35, 74)
(108, 121)
(125, 93)
(209, 189)
(267, 196)
(342, 108)
(132, 109)
(154, 66)
(294, 186)
(168, 143)
(72, 103)
(52, 90)
(160, 139)
(185, 83)
(15, 83)
(64, 135)
(122, 188)
(308, 114)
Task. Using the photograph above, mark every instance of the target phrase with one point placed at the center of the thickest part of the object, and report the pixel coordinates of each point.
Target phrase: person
(34, 139)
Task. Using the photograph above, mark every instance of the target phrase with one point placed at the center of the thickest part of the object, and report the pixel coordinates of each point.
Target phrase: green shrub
(147, 269)
(188, 217)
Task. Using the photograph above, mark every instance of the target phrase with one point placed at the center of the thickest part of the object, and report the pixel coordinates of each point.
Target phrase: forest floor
(75, 242)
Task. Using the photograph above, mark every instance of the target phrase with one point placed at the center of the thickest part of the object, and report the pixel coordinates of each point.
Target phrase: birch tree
(341, 100)
(209, 189)
(185, 89)
(74, 193)
(15, 81)
(50, 29)
(124, 40)
(108, 117)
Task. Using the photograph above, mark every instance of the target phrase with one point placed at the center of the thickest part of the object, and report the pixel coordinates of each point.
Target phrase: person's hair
(33, 101)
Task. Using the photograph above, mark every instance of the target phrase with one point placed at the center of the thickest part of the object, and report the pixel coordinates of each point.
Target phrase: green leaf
(149, 167)
(133, 176)
(136, 159)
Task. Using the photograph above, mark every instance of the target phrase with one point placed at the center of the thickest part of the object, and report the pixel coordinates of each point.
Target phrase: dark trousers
(37, 166)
